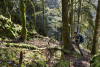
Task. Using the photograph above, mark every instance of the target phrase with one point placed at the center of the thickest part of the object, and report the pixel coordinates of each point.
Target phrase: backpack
(81, 38)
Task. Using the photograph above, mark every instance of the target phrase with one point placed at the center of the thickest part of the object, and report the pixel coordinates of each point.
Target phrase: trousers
(77, 44)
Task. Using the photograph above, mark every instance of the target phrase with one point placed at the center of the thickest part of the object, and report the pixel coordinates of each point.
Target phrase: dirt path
(82, 61)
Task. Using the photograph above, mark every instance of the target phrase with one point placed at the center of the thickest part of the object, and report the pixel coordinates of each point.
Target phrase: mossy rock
(52, 40)
(7, 28)
(20, 45)
(31, 33)
(95, 61)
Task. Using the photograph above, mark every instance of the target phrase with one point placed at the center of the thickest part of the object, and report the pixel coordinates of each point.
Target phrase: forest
(49, 33)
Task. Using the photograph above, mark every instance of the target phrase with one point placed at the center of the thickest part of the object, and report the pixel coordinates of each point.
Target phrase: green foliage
(6, 55)
(0, 12)
(1, 39)
(64, 63)
(7, 28)
(75, 54)
(66, 51)
(95, 61)
(52, 40)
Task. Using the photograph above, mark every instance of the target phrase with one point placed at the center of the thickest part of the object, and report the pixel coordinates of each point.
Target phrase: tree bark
(96, 31)
(69, 23)
(65, 31)
(21, 58)
(23, 20)
(79, 7)
(74, 15)
(72, 31)
(43, 18)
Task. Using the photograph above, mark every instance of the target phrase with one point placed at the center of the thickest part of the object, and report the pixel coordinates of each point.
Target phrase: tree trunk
(96, 31)
(74, 18)
(21, 59)
(23, 20)
(69, 23)
(43, 18)
(81, 16)
(79, 7)
(65, 24)
(72, 31)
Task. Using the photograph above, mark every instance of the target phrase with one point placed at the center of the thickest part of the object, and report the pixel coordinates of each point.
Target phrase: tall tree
(65, 31)
(72, 18)
(79, 7)
(43, 18)
(96, 30)
(74, 14)
(23, 19)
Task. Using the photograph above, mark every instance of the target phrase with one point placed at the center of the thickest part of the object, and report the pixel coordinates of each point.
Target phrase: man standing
(78, 40)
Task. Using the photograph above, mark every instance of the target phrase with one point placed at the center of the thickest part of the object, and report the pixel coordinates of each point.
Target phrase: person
(76, 42)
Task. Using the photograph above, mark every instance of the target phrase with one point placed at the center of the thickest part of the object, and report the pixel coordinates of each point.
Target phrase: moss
(98, 65)
(52, 40)
(23, 18)
(64, 63)
(42, 63)
(0, 39)
(31, 32)
(20, 45)
(76, 54)
(66, 51)
(0, 12)
(7, 28)
(95, 61)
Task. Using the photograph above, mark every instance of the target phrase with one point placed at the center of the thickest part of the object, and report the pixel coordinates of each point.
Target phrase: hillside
(40, 51)
(42, 33)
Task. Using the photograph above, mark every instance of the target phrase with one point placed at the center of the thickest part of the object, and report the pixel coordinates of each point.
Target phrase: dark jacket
(77, 38)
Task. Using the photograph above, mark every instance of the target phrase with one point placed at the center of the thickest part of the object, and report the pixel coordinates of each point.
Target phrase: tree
(65, 31)
(74, 14)
(71, 18)
(23, 19)
(43, 18)
(79, 7)
(21, 59)
(96, 30)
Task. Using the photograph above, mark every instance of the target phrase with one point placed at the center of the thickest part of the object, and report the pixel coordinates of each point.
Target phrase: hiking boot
(81, 54)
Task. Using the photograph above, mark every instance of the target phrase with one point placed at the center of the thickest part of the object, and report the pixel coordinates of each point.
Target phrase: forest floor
(43, 55)
(82, 61)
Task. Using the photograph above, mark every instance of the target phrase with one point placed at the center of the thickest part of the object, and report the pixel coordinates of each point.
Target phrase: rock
(7, 28)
